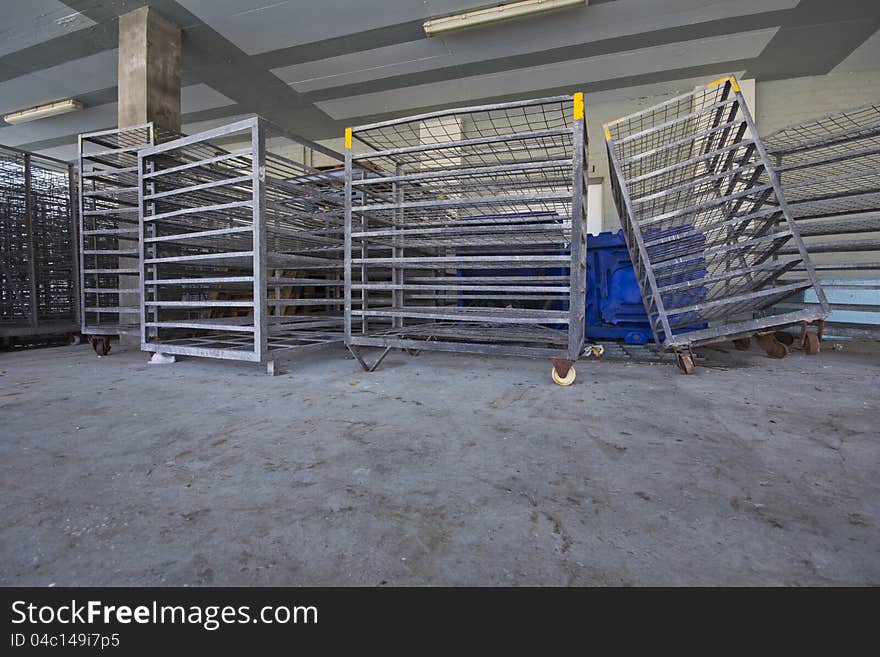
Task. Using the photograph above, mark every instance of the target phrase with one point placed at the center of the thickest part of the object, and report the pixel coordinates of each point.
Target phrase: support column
(149, 70)
(149, 92)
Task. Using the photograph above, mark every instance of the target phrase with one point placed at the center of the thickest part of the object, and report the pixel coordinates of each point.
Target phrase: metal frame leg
(368, 368)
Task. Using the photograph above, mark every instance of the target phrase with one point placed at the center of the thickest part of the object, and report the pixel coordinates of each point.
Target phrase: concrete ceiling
(315, 67)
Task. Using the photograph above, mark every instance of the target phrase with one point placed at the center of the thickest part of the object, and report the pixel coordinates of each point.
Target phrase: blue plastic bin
(614, 309)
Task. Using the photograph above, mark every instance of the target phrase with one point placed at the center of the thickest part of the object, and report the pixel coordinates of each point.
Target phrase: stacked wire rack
(241, 246)
(38, 249)
(465, 232)
(705, 222)
(108, 184)
(829, 169)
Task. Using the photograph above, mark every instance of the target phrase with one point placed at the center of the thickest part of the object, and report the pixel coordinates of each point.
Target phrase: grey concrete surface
(439, 469)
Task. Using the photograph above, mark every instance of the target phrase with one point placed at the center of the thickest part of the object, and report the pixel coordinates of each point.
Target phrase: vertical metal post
(258, 147)
(396, 251)
(73, 218)
(141, 245)
(365, 274)
(82, 237)
(346, 270)
(29, 222)
(578, 268)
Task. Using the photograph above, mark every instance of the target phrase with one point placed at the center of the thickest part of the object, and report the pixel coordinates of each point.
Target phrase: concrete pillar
(149, 70)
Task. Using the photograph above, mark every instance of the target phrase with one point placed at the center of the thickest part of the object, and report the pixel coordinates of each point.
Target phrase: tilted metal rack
(109, 283)
(465, 232)
(704, 221)
(240, 247)
(38, 248)
(829, 169)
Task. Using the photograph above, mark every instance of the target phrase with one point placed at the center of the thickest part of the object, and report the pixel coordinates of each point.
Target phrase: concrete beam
(149, 70)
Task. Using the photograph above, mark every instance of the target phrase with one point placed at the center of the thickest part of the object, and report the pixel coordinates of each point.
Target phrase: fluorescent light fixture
(488, 15)
(43, 111)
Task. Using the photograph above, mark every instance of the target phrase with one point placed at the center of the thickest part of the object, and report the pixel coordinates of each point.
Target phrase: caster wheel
(101, 346)
(811, 343)
(566, 380)
(685, 363)
(597, 350)
(742, 344)
(777, 350)
(785, 338)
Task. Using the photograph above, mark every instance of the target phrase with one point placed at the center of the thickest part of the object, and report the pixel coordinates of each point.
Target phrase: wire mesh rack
(705, 222)
(465, 232)
(241, 246)
(108, 196)
(829, 169)
(38, 274)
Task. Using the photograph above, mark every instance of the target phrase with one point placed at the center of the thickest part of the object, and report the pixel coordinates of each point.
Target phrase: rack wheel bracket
(563, 372)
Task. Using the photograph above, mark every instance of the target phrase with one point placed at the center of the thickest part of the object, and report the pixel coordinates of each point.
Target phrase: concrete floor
(439, 469)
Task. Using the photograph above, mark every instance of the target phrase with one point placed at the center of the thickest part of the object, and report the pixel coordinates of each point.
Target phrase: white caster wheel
(566, 380)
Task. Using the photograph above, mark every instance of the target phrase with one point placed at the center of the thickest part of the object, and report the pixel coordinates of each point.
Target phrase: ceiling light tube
(43, 111)
(489, 15)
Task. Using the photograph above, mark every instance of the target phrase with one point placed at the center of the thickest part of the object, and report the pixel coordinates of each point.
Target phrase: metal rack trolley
(38, 270)
(464, 232)
(109, 279)
(705, 221)
(829, 169)
(240, 246)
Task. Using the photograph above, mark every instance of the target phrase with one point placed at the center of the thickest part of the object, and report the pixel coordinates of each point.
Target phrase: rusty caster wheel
(685, 363)
(101, 345)
(742, 344)
(771, 346)
(784, 337)
(811, 343)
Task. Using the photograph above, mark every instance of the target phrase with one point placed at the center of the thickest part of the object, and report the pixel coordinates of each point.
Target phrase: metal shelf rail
(109, 298)
(465, 232)
(829, 169)
(240, 247)
(704, 219)
(38, 270)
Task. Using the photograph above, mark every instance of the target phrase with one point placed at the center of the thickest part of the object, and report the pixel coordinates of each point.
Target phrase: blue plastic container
(614, 308)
